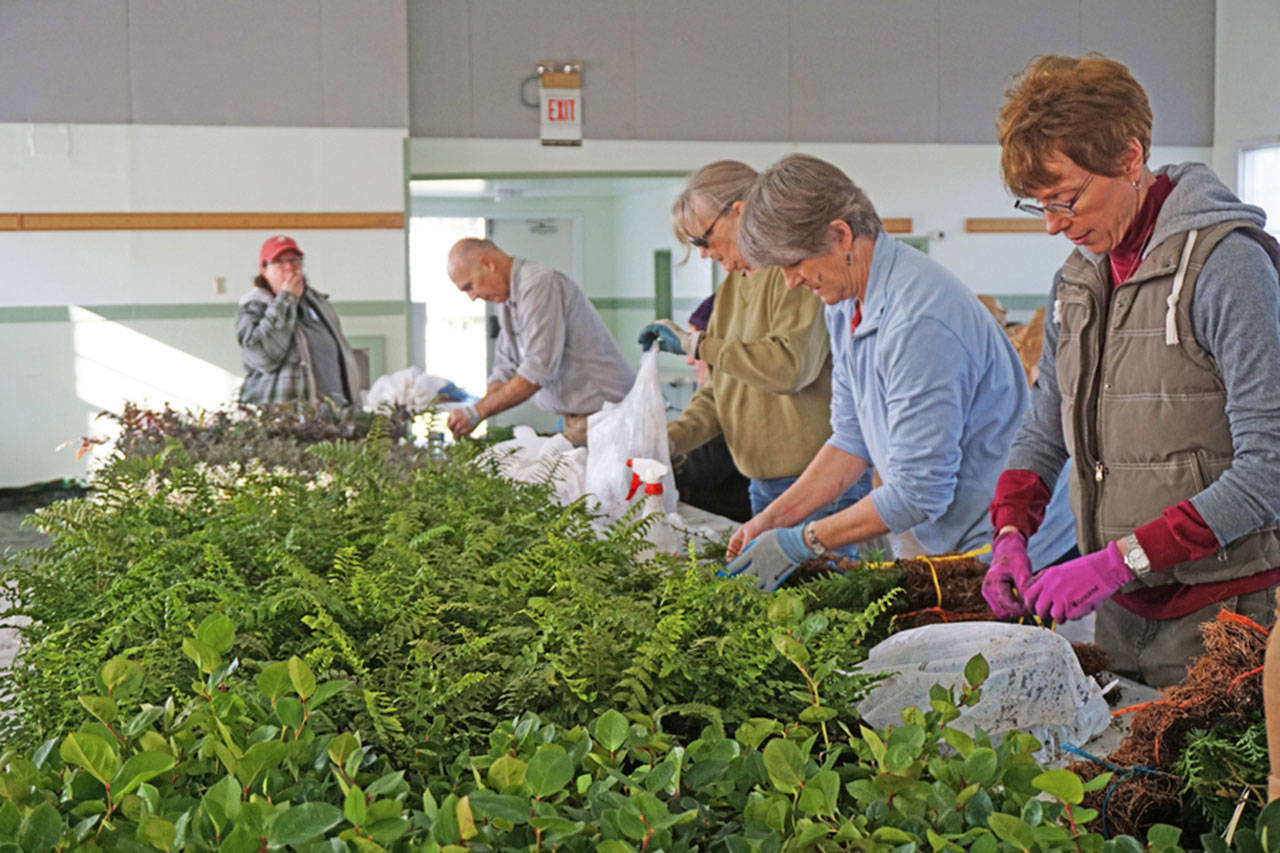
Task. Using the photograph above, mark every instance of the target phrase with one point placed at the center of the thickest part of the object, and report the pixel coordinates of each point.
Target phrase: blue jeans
(764, 492)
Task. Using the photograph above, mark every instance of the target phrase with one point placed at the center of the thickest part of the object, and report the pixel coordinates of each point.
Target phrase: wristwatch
(1134, 557)
(811, 540)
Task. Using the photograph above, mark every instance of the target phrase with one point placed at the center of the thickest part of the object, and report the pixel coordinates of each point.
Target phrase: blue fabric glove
(771, 557)
(670, 337)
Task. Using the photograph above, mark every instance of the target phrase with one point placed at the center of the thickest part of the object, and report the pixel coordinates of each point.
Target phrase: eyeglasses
(294, 261)
(1057, 208)
(701, 242)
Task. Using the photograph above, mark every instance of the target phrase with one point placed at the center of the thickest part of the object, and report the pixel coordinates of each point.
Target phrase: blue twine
(1122, 773)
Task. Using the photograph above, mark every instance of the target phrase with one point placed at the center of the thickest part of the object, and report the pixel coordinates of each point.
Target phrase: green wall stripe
(1023, 301)
(179, 311)
(34, 314)
(662, 283)
(642, 303)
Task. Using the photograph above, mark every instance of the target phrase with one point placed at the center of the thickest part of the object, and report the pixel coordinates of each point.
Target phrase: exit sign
(561, 116)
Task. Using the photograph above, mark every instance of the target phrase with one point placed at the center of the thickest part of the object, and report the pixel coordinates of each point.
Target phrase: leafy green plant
(441, 590)
(1223, 766)
(239, 769)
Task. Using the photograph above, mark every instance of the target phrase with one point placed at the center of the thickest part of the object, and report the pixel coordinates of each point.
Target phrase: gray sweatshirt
(1235, 315)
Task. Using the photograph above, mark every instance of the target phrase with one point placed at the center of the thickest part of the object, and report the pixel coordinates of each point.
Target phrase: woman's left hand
(1078, 587)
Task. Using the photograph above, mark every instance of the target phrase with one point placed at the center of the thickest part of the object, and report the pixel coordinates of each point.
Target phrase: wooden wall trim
(392, 219)
(197, 221)
(1004, 225)
(250, 221)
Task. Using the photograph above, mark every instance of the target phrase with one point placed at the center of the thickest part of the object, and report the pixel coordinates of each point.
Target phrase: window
(1259, 174)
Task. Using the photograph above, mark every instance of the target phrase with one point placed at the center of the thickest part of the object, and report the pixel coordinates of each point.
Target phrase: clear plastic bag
(634, 427)
(1035, 683)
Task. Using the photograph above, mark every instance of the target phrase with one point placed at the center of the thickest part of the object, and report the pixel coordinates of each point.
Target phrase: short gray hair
(787, 215)
(720, 184)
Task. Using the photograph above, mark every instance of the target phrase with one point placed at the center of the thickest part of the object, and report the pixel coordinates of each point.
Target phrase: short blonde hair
(788, 213)
(1088, 108)
(720, 184)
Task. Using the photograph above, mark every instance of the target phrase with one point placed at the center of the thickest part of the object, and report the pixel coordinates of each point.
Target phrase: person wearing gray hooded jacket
(291, 341)
(1157, 379)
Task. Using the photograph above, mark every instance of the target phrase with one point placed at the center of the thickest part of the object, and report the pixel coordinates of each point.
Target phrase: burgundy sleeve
(1178, 535)
(1020, 501)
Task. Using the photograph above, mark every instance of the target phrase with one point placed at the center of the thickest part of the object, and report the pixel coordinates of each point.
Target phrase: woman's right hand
(743, 535)
(293, 284)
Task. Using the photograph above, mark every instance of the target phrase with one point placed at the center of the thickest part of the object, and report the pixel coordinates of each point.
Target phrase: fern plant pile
(451, 599)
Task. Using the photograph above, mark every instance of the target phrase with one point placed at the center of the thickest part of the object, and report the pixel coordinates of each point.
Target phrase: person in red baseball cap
(291, 341)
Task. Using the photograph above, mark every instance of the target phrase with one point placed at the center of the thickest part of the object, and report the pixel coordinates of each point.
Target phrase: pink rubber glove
(1078, 587)
(1006, 582)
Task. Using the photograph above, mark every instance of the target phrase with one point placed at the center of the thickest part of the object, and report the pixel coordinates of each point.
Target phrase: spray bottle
(649, 473)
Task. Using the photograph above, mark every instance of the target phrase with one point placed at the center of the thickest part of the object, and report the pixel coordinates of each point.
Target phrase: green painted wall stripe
(371, 308)
(34, 314)
(180, 311)
(642, 303)
(1024, 301)
(662, 306)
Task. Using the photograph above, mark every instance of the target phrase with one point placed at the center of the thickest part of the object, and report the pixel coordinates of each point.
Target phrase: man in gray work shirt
(553, 347)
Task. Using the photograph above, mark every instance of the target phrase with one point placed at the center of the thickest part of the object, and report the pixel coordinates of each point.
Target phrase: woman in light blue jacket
(926, 386)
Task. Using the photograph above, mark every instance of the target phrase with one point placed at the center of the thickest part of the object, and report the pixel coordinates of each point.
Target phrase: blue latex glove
(670, 337)
(771, 557)
(1078, 587)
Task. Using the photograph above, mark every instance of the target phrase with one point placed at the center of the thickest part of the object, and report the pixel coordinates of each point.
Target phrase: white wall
(90, 318)
(1246, 79)
(937, 186)
(643, 225)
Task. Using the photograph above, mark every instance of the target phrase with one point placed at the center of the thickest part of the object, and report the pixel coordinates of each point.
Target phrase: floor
(15, 537)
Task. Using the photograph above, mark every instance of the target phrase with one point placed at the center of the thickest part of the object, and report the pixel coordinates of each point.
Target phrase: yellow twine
(933, 570)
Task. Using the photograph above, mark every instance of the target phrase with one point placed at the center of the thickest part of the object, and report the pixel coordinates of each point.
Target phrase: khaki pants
(1157, 651)
(575, 429)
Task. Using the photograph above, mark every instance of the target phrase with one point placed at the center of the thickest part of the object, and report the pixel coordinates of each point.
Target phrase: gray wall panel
(864, 70)
(982, 45)
(440, 68)
(508, 39)
(365, 61)
(227, 62)
(64, 61)
(1169, 46)
(715, 69)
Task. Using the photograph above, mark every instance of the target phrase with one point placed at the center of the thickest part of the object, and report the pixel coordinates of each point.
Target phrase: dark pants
(1157, 651)
(707, 478)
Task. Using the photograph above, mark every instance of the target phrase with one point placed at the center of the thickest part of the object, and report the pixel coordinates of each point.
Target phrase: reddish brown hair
(1087, 108)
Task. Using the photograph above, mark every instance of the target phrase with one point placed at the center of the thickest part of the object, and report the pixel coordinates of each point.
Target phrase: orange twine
(1232, 616)
(1241, 677)
(942, 614)
(1120, 712)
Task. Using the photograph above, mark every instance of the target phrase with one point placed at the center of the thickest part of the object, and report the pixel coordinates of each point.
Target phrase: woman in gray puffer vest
(291, 341)
(1157, 378)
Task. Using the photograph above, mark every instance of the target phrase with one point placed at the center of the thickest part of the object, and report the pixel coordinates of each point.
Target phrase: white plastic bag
(634, 427)
(1035, 683)
(410, 388)
(531, 458)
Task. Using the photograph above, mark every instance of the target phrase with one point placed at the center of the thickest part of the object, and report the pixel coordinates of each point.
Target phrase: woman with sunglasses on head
(291, 342)
(765, 347)
(1157, 379)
